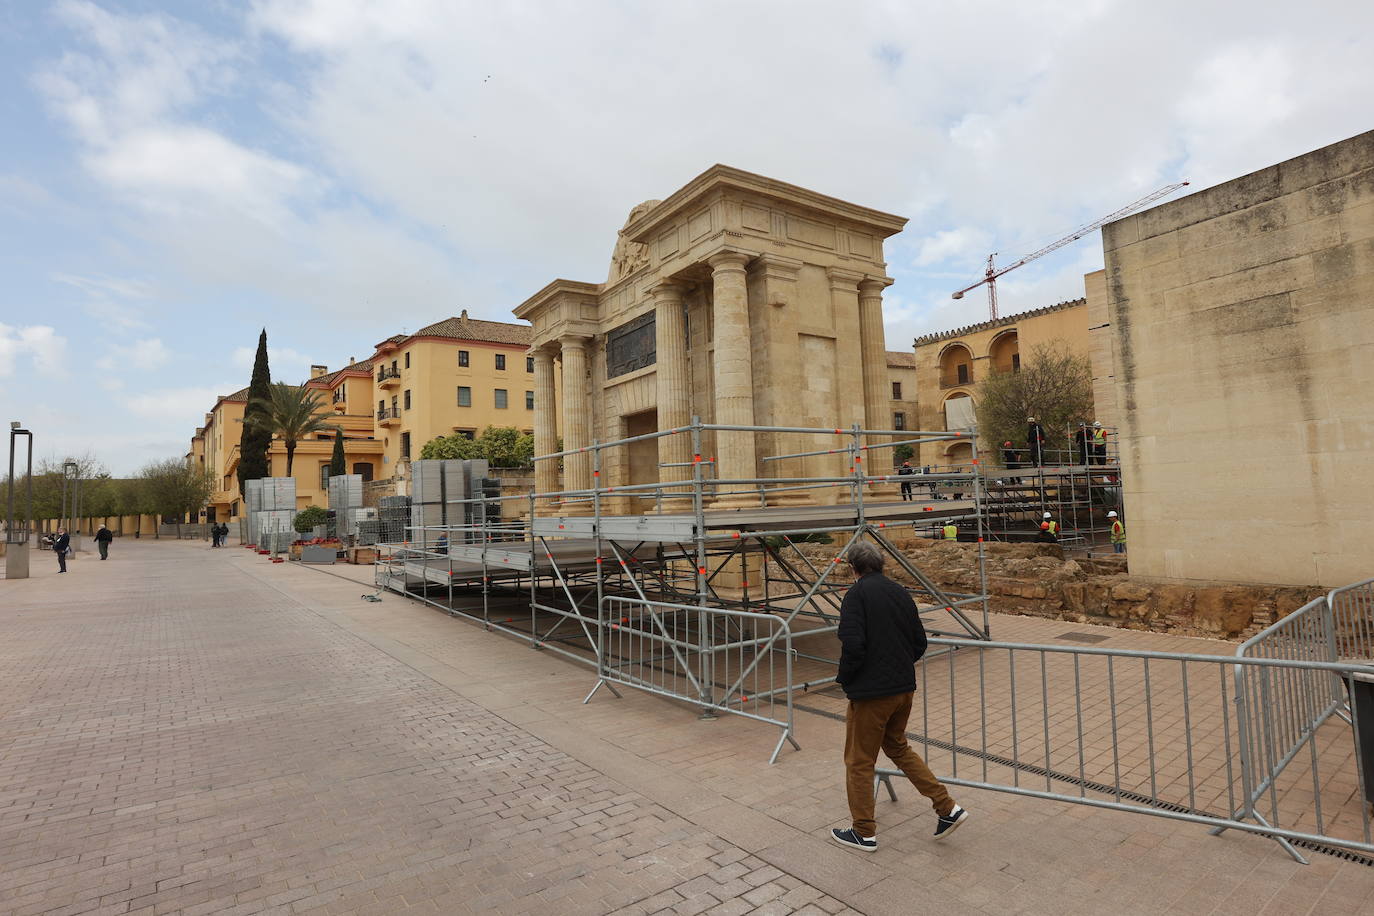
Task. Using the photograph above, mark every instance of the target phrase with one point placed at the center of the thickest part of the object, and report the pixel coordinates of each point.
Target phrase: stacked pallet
(271, 505)
(345, 505)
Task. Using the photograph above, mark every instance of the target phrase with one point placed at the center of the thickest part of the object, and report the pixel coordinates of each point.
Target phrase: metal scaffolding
(724, 608)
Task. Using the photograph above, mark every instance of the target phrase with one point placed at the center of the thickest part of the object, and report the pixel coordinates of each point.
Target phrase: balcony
(387, 376)
(388, 416)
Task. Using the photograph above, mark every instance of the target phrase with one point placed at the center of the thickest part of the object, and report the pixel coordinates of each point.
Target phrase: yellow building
(949, 365)
(901, 376)
(458, 375)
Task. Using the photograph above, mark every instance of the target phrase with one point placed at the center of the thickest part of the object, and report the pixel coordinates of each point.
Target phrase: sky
(176, 176)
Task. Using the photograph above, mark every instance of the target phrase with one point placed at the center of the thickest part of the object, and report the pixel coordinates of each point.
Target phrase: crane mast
(992, 272)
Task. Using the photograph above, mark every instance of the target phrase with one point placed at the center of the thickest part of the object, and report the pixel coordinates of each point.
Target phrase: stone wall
(1243, 326)
(1035, 579)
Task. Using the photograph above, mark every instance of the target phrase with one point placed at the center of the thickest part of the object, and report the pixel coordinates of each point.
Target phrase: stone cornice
(552, 291)
(719, 177)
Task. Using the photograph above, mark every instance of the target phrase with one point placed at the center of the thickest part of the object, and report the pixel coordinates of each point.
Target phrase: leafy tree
(502, 446)
(1054, 385)
(293, 413)
(338, 464)
(902, 453)
(171, 488)
(309, 518)
(256, 437)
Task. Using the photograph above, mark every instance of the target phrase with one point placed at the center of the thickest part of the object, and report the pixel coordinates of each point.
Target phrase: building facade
(1242, 320)
(738, 299)
(950, 364)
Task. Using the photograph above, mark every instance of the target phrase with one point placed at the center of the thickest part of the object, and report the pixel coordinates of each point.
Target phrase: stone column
(577, 469)
(545, 427)
(733, 369)
(674, 384)
(877, 393)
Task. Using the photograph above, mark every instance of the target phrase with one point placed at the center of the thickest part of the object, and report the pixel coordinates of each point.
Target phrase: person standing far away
(1035, 441)
(1052, 525)
(906, 470)
(1118, 533)
(60, 545)
(103, 537)
(1009, 456)
(1099, 443)
(1080, 441)
(881, 640)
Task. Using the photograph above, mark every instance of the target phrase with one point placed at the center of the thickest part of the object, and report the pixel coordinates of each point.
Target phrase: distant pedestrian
(221, 532)
(1035, 441)
(60, 545)
(103, 537)
(906, 470)
(1081, 443)
(1009, 456)
(881, 639)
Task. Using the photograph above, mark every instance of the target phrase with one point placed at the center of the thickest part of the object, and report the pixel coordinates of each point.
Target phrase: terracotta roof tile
(329, 378)
(900, 359)
(465, 328)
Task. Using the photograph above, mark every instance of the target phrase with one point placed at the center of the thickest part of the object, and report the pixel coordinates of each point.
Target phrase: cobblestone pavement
(193, 730)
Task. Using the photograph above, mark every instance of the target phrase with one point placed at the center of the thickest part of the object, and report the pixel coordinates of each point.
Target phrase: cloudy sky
(175, 175)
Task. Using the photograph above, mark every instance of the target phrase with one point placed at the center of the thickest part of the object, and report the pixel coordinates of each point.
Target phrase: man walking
(103, 537)
(881, 639)
(60, 545)
(906, 470)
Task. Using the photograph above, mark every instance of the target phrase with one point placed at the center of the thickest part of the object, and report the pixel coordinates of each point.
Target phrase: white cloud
(183, 407)
(40, 343)
(148, 353)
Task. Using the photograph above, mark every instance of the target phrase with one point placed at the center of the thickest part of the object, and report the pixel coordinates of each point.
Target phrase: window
(500, 361)
(393, 403)
(324, 476)
(897, 392)
(1016, 362)
(407, 359)
(468, 433)
(463, 358)
(394, 370)
(363, 468)
(407, 399)
(529, 363)
(381, 407)
(529, 400)
(464, 396)
(500, 398)
(405, 445)
(899, 420)
(963, 373)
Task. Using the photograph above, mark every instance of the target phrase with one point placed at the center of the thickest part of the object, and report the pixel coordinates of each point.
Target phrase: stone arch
(956, 365)
(1004, 352)
(958, 410)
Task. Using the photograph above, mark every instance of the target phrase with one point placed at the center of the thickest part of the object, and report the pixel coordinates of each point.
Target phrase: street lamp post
(17, 545)
(71, 471)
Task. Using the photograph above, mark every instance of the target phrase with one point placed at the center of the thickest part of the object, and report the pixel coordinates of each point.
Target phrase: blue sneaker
(853, 840)
(948, 823)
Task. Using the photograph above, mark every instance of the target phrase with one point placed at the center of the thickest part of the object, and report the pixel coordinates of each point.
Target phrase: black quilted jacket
(881, 638)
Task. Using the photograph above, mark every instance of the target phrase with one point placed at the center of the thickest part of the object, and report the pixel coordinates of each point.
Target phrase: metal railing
(724, 661)
(387, 372)
(388, 413)
(1166, 734)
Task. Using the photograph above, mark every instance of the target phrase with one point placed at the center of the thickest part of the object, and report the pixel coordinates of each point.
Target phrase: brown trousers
(881, 723)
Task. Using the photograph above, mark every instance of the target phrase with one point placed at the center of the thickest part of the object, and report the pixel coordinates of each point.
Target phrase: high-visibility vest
(951, 532)
(1118, 532)
(1054, 528)
(1099, 436)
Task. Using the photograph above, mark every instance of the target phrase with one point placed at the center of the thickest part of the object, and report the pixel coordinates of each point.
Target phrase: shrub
(308, 519)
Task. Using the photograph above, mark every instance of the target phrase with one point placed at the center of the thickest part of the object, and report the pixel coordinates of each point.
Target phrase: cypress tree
(338, 465)
(256, 438)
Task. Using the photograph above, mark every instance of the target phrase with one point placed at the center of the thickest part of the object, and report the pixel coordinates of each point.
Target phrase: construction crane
(992, 272)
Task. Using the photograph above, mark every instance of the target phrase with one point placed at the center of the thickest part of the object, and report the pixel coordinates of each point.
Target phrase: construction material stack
(345, 505)
(271, 505)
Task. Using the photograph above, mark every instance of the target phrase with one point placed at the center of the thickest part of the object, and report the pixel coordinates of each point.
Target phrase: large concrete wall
(1243, 326)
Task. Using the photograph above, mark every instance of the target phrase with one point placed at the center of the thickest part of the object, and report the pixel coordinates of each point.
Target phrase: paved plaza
(187, 730)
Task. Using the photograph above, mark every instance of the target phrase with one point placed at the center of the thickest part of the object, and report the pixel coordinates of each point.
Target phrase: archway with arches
(956, 366)
(1005, 352)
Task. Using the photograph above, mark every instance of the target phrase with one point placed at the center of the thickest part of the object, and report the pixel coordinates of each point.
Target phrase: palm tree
(294, 413)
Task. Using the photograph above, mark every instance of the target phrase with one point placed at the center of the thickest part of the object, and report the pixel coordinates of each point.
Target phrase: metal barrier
(1352, 620)
(714, 657)
(1156, 733)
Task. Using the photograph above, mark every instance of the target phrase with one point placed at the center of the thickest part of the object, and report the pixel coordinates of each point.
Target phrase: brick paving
(186, 730)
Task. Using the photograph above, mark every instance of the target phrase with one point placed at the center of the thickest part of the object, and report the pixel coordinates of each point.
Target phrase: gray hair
(865, 558)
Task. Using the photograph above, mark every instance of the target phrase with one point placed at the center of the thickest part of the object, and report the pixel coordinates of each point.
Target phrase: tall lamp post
(17, 544)
(72, 471)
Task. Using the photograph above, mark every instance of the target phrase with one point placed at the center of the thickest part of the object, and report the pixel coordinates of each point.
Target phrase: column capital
(874, 286)
(843, 279)
(729, 259)
(548, 350)
(667, 290)
(777, 265)
(574, 341)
